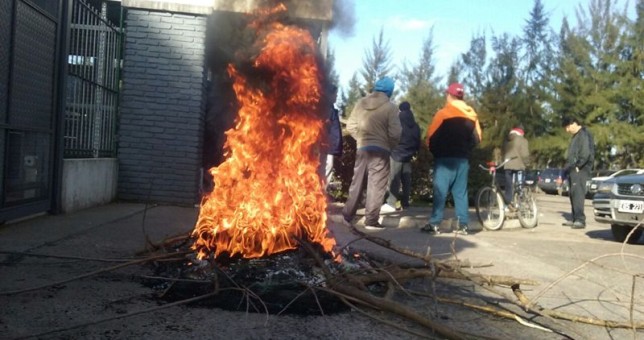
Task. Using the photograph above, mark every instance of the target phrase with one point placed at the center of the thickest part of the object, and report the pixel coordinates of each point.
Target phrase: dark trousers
(511, 177)
(372, 169)
(400, 174)
(578, 193)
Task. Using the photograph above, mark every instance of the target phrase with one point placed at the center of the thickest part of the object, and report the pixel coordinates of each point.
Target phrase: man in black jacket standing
(401, 156)
(579, 164)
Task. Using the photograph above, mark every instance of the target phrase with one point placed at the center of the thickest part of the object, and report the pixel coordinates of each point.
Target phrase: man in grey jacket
(515, 148)
(375, 126)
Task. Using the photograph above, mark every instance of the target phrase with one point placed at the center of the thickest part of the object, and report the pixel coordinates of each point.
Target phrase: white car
(620, 202)
(595, 181)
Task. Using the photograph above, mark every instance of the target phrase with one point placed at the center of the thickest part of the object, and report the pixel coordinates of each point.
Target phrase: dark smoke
(344, 17)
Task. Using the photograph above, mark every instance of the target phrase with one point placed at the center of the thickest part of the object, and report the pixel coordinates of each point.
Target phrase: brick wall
(162, 107)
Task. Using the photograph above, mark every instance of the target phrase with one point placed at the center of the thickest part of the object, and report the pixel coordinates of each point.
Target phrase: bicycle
(490, 206)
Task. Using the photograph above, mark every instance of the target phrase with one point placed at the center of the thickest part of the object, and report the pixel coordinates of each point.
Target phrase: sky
(407, 24)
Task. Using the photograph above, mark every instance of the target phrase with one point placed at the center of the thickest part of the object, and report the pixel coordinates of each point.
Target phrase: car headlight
(605, 187)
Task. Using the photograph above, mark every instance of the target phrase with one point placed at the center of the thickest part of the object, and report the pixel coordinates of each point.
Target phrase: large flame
(267, 192)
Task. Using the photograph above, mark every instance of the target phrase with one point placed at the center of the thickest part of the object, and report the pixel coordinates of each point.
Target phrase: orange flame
(267, 192)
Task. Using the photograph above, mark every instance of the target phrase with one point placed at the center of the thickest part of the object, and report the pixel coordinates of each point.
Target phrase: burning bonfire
(267, 193)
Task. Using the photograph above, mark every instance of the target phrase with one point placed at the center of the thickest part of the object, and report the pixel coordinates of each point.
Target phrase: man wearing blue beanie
(375, 126)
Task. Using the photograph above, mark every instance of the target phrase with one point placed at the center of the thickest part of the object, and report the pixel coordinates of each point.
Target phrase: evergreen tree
(472, 67)
(537, 47)
(419, 84)
(502, 104)
(354, 93)
(630, 101)
(376, 62)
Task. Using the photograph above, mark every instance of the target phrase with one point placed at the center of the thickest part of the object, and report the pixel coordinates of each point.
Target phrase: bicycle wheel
(489, 208)
(528, 213)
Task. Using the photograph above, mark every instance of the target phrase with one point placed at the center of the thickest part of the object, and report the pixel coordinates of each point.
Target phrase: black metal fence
(94, 63)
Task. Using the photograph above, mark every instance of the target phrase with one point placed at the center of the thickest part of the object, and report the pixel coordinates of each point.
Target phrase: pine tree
(419, 84)
(472, 67)
(537, 47)
(376, 62)
(502, 104)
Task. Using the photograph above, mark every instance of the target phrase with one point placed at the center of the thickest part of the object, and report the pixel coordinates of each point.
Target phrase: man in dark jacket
(401, 156)
(579, 164)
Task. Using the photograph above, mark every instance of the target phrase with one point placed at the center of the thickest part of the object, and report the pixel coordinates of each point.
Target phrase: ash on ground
(286, 283)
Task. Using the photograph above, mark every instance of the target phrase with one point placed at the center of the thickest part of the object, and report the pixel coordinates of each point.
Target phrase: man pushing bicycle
(516, 149)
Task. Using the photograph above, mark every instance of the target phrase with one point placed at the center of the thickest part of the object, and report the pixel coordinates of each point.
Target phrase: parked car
(619, 201)
(603, 175)
(552, 181)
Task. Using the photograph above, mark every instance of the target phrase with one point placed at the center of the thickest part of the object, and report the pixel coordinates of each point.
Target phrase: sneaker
(386, 208)
(462, 229)
(398, 206)
(376, 226)
(578, 225)
(568, 224)
(430, 228)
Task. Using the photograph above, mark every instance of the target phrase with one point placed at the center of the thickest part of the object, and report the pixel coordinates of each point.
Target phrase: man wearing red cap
(451, 136)
(515, 148)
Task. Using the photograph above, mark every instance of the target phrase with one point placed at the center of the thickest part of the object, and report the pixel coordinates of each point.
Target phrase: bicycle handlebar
(493, 167)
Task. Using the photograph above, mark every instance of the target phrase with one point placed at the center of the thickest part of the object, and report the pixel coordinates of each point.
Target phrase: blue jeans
(450, 175)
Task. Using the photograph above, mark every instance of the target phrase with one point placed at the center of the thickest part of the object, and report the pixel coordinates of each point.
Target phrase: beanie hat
(385, 85)
(456, 90)
(517, 131)
(404, 106)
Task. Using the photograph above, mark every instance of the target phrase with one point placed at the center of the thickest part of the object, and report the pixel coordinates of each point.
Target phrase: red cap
(456, 90)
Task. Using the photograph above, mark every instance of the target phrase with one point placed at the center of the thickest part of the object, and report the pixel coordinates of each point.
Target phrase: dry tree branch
(581, 266)
(92, 259)
(95, 322)
(386, 322)
(570, 317)
(387, 244)
(510, 300)
(413, 273)
(130, 263)
(363, 297)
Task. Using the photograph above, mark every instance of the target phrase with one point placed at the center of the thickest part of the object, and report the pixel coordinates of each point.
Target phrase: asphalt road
(579, 271)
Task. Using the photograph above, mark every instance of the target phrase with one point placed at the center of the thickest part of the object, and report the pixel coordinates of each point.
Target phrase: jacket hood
(466, 109)
(374, 100)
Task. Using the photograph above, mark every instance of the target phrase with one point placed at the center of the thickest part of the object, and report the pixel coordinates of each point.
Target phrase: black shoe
(430, 228)
(578, 225)
(376, 226)
(568, 224)
(462, 229)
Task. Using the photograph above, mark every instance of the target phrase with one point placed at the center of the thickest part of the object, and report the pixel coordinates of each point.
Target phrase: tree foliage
(591, 67)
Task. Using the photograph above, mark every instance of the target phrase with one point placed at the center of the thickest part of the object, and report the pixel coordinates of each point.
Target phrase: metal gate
(94, 60)
(30, 42)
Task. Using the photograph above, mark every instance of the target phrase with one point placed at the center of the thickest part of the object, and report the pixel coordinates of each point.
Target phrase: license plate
(547, 180)
(634, 207)
(529, 182)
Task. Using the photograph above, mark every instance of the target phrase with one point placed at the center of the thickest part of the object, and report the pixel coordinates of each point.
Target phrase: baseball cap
(456, 90)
